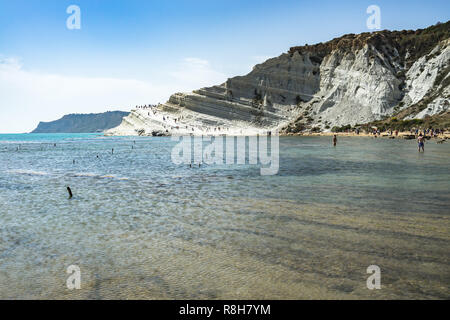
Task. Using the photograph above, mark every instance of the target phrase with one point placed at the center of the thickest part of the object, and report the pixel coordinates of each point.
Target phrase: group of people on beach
(430, 131)
(433, 132)
(420, 133)
(420, 139)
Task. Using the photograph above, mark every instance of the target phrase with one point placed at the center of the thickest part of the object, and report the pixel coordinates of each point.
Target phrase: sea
(141, 226)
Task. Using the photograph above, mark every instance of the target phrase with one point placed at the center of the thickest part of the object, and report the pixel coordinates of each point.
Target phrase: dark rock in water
(70, 192)
(409, 137)
(83, 123)
(157, 133)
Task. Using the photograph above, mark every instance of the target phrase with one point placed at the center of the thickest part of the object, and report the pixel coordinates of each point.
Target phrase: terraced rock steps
(351, 80)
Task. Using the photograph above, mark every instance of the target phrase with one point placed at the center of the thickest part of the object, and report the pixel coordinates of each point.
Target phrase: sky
(136, 52)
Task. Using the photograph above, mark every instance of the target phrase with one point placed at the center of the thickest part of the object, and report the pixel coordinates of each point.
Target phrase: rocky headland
(353, 80)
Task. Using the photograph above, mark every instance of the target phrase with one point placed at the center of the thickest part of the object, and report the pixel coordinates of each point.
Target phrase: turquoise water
(140, 226)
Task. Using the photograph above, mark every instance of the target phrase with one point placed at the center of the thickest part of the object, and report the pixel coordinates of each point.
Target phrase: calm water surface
(142, 227)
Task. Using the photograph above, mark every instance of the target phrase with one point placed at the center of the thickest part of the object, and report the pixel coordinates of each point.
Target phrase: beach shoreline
(401, 135)
(159, 124)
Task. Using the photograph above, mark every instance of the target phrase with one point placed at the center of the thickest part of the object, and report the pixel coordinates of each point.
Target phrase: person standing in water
(421, 142)
(334, 140)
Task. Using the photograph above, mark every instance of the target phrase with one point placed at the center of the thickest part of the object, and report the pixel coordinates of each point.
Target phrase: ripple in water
(142, 227)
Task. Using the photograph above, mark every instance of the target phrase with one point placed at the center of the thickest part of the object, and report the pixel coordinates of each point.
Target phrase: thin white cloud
(11, 63)
(27, 97)
(194, 73)
(197, 62)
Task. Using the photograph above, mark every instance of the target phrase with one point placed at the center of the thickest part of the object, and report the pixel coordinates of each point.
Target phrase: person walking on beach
(421, 142)
(334, 140)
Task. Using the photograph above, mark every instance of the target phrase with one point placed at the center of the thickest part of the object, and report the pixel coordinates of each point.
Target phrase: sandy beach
(401, 135)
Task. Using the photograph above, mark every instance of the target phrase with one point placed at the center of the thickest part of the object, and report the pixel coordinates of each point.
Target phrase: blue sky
(138, 52)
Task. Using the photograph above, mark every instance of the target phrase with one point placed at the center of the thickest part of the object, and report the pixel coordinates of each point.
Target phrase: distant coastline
(82, 123)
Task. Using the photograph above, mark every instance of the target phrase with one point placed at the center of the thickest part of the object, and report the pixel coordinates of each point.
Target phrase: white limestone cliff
(352, 80)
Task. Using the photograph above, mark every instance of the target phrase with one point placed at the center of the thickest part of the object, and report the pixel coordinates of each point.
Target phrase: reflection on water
(141, 227)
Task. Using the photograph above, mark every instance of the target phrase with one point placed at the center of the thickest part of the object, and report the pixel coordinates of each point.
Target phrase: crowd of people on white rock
(433, 132)
(177, 120)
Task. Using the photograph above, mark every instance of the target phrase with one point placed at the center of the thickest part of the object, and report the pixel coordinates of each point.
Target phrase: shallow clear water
(140, 226)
